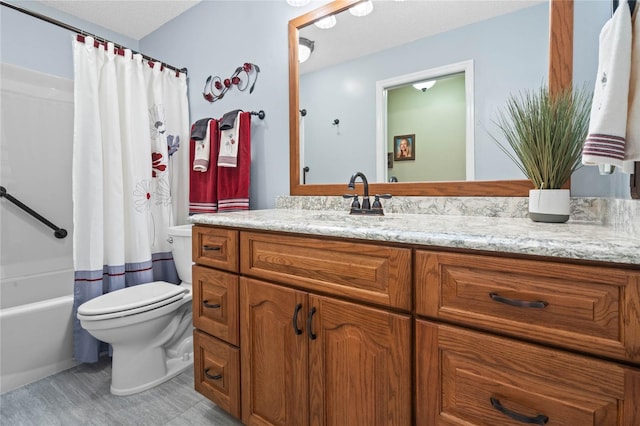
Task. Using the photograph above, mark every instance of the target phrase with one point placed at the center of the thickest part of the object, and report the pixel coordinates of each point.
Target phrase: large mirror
(558, 50)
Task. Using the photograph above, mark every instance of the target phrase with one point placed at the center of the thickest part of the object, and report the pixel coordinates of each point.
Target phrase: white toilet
(149, 326)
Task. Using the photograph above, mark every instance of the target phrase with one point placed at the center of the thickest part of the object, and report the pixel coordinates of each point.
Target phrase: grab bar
(58, 232)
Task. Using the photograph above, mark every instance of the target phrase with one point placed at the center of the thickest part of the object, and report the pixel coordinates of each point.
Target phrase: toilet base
(174, 367)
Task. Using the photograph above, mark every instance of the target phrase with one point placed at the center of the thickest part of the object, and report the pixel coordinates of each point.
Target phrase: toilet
(149, 326)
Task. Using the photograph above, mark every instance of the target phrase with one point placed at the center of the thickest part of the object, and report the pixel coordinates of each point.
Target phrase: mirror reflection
(342, 129)
(434, 111)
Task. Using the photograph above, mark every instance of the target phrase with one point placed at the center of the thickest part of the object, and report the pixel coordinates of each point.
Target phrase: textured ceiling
(135, 19)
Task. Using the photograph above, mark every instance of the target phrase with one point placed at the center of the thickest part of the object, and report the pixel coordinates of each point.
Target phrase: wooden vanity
(296, 329)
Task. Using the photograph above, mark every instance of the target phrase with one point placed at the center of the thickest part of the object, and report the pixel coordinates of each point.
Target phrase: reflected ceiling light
(424, 85)
(305, 47)
(298, 3)
(362, 9)
(326, 23)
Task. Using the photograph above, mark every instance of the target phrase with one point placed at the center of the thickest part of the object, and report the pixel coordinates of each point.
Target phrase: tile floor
(80, 396)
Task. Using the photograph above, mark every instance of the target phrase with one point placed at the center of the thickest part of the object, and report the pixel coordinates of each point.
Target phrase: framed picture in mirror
(404, 147)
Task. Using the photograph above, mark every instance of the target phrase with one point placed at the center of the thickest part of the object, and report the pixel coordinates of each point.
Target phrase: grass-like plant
(545, 133)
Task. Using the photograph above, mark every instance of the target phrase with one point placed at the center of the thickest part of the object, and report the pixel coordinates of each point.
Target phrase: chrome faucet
(366, 207)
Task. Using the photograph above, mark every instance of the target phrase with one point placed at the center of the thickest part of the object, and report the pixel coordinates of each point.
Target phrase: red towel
(233, 182)
(203, 189)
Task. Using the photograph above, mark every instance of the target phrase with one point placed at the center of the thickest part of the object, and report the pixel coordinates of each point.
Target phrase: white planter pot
(549, 205)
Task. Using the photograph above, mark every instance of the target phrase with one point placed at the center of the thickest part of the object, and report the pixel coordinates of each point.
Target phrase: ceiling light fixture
(424, 85)
(326, 23)
(305, 47)
(362, 9)
(298, 3)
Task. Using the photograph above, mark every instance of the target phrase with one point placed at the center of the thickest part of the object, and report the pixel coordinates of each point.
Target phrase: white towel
(605, 142)
(202, 154)
(632, 148)
(229, 141)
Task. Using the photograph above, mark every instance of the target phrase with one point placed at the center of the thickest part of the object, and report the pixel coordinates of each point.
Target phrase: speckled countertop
(576, 239)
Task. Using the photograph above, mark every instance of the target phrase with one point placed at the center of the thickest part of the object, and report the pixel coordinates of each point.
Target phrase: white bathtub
(36, 336)
(36, 276)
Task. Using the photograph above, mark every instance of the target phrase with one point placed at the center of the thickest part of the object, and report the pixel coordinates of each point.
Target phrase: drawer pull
(309, 320)
(518, 303)
(206, 304)
(297, 330)
(209, 376)
(540, 419)
(211, 248)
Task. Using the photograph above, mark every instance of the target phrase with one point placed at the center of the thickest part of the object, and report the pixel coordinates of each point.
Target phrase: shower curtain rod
(85, 33)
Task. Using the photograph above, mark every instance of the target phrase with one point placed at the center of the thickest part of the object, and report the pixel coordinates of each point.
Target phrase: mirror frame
(560, 77)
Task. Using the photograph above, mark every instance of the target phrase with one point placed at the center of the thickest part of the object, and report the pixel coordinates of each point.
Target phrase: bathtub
(36, 268)
(36, 329)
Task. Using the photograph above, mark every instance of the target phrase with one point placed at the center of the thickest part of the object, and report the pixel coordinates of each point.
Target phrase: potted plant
(545, 134)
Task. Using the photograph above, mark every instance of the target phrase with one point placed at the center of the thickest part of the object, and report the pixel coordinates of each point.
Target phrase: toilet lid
(136, 298)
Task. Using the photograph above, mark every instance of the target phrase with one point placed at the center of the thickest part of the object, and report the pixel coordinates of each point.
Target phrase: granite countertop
(572, 240)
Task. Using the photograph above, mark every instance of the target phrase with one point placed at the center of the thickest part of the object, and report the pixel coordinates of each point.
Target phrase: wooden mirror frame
(560, 77)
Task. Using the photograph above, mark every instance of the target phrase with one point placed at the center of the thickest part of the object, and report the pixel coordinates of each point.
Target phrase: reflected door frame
(382, 87)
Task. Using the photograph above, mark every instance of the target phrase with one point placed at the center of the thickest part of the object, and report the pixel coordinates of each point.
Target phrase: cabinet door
(274, 354)
(359, 365)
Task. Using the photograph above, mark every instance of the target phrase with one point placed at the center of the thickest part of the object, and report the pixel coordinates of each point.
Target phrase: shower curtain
(131, 129)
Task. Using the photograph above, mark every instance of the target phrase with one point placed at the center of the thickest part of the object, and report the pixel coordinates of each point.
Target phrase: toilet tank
(180, 238)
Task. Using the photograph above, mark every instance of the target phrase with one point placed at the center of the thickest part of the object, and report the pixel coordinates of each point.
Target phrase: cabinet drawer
(472, 378)
(374, 273)
(217, 371)
(215, 247)
(215, 303)
(588, 308)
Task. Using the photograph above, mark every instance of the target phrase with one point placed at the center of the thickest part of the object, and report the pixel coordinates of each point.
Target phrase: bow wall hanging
(243, 77)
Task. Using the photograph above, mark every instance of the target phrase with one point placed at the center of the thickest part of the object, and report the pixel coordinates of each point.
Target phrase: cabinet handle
(297, 330)
(209, 376)
(210, 305)
(309, 319)
(211, 248)
(518, 303)
(540, 419)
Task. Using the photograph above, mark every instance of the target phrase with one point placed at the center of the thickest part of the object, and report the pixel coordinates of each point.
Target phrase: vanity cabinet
(301, 330)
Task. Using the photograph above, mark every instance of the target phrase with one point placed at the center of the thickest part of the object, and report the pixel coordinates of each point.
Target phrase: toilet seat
(131, 300)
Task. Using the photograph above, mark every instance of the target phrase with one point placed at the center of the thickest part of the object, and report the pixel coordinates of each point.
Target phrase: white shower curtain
(130, 147)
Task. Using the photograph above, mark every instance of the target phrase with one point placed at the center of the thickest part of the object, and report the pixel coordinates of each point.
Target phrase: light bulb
(362, 9)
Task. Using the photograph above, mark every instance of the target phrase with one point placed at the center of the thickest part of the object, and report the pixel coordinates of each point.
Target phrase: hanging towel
(199, 129)
(229, 142)
(202, 146)
(632, 148)
(605, 143)
(228, 120)
(233, 182)
(203, 189)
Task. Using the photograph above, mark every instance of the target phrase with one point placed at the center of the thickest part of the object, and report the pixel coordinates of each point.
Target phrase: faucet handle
(376, 201)
(356, 203)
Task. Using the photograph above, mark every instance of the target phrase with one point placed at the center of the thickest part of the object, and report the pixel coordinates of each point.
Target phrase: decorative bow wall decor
(215, 87)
